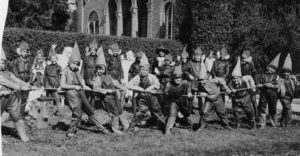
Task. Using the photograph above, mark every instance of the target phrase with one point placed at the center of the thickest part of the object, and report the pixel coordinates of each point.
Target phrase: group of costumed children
(161, 92)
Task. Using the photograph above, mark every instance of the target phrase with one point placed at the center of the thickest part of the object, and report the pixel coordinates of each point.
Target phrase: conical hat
(2, 55)
(198, 51)
(101, 58)
(139, 54)
(275, 61)
(203, 72)
(75, 56)
(288, 63)
(144, 62)
(23, 45)
(177, 71)
(237, 72)
(52, 53)
(94, 44)
(184, 54)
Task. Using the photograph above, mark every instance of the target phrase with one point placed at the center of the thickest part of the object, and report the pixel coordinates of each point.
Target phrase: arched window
(112, 9)
(126, 4)
(169, 20)
(142, 18)
(93, 23)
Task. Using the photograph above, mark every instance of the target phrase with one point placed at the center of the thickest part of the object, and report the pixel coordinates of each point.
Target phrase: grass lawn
(211, 141)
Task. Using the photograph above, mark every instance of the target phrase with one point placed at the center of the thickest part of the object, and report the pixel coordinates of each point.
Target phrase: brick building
(135, 18)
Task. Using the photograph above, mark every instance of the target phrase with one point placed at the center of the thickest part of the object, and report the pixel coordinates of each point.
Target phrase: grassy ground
(211, 141)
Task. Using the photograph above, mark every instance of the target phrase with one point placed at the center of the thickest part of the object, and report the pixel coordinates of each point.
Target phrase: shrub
(38, 39)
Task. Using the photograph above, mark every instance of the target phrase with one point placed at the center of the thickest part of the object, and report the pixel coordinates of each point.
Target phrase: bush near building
(38, 39)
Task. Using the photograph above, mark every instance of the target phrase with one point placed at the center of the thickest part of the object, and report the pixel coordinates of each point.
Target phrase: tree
(38, 14)
(265, 27)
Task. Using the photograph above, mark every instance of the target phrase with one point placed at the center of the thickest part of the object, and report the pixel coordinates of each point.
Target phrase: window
(112, 9)
(93, 23)
(169, 20)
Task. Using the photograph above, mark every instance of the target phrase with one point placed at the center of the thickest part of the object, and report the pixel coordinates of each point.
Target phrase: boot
(124, 122)
(202, 124)
(170, 124)
(20, 126)
(262, 120)
(96, 122)
(238, 125)
(273, 120)
(115, 125)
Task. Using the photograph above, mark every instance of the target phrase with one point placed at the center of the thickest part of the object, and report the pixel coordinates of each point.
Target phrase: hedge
(38, 39)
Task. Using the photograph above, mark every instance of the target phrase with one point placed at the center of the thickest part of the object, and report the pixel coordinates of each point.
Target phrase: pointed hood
(139, 54)
(94, 44)
(288, 63)
(75, 56)
(144, 62)
(224, 52)
(23, 45)
(237, 72)
(177, 72)
(52, 53)
(275, 61)
(203, 72)
(184, 54)
(198, 51)
(101, 58)
(2, 55)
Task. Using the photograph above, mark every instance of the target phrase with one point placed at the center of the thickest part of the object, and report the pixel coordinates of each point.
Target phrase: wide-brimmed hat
(161, 48)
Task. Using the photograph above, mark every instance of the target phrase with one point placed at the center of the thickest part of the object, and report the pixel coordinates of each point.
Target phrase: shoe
(117, 131)
(238, 126)
(70, 134)
(20, 126)
(228, 128)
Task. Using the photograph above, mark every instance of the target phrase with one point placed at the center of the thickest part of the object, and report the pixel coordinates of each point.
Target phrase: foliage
(38, 39)
(38, 14)
(266, 27)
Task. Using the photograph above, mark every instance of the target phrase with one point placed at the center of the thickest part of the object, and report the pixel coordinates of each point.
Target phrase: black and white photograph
(150, 77)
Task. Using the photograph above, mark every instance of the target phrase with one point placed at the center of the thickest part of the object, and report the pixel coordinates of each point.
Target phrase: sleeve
(249, 81)
(134, 81)
(154, 65)
(213, 70)
(15, 68)
(9, 84)
(63, 82)
(97, 86)
(155, 82)
(227, 69)
(116, 83)
(18, 81)
(221, 81)
(167, 89)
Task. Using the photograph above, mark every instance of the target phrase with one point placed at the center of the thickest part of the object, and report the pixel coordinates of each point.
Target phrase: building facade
(135, 18)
